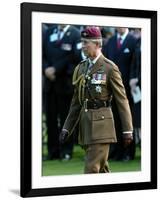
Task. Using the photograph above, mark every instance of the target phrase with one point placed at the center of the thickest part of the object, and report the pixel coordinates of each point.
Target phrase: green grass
(76, 164)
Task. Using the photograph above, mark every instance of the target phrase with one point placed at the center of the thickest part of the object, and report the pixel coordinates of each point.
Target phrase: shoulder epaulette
(109, 62)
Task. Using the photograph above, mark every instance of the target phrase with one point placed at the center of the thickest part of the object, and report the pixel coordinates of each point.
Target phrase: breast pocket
(102, 124)
(66, 47)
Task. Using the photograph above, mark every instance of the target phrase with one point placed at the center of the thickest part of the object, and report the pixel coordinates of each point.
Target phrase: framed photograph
(43, 174)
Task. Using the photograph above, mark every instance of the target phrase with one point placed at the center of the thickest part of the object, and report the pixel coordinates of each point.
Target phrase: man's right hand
(50, 73)
(63, 136)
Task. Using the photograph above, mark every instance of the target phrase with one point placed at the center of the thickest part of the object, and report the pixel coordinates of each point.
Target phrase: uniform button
(103, 116)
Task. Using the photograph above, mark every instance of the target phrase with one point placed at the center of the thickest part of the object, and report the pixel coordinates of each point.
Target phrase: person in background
(120, 49)
(107, 33)
(96, 80)
(61, 53)
(135, 85)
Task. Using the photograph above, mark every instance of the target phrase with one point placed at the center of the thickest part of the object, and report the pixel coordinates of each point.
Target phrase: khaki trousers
(96, 158)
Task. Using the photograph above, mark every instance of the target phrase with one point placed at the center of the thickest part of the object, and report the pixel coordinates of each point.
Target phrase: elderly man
(96, 80)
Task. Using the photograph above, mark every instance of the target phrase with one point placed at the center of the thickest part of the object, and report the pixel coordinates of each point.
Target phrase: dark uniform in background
(94, 87)
(61, 53)
(120, 49)
(135, 84)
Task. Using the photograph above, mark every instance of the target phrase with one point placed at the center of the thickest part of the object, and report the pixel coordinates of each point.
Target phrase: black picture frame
(26, 189)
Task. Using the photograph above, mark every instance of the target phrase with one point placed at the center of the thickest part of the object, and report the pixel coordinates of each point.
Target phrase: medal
(98, 89)
(98, 78)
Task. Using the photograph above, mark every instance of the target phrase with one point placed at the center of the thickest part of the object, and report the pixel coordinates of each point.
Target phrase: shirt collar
(94, 60)
(65, 28)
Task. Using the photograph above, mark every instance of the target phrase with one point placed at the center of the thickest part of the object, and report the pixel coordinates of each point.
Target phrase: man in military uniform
(96, 80)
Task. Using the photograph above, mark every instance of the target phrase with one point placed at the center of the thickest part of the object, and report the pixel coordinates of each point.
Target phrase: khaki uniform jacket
(104, 81)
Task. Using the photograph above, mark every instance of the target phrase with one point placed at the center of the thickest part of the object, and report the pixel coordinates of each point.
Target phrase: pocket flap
(101, 114)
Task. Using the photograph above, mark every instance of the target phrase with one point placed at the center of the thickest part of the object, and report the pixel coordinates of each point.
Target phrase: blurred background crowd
(61, 52)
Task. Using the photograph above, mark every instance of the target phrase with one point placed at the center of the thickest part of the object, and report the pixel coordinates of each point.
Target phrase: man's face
(89, 48)
(121, 30)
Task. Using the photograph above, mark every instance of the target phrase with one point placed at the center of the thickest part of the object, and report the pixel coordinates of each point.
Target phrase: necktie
(90, 64)
(119, 43)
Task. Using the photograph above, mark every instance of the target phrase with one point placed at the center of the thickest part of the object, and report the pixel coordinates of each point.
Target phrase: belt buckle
(95, 106)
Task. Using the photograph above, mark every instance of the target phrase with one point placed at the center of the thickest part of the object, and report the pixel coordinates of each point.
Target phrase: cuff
(65, 130)
(127, 132)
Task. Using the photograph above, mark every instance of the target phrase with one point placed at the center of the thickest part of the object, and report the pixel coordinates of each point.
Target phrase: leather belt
(95, 104)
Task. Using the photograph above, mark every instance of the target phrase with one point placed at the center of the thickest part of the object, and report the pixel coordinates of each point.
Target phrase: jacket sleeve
(122, 103)
(74, 112)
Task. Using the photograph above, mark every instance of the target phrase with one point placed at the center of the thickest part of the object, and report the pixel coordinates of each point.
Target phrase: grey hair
(99, 41)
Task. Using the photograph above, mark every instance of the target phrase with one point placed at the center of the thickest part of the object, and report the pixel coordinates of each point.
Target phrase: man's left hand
(63, 136)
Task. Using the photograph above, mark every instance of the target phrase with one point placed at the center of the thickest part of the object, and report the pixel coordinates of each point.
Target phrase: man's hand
(127, 139)
(63, 136)
(50, 73)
